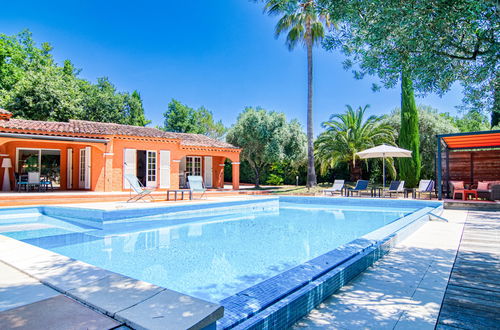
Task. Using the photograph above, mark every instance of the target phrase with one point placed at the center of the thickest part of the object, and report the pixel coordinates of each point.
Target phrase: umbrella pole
(383, 172)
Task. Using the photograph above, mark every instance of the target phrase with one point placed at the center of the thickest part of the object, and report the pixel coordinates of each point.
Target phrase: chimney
(5, 115)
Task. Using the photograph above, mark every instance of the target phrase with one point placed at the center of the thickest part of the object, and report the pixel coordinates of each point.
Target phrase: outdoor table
(413, 192)
(182, 191)
(468, 192)
(376, 192)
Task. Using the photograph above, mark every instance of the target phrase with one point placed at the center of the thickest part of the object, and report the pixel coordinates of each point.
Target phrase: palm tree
(349, 133)
(303, 21)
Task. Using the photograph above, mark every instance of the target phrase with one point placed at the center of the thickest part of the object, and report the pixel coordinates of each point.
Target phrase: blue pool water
(211, 256)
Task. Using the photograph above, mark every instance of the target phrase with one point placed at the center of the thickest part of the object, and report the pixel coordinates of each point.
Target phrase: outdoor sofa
(489, 190)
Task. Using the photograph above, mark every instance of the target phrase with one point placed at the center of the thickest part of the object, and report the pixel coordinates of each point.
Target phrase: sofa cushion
(457, 185)
(483, 185)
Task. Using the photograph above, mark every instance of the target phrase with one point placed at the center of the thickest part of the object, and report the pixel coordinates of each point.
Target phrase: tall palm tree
(349, 133)
(304, 21)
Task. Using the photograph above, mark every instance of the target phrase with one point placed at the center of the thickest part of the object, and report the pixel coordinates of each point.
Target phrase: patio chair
(138, 188)
(196, 185)
(337, 187)
(21, 181)
(396, 187)
(34, 180)
(361, 185)
(425, 187)
(457, 187)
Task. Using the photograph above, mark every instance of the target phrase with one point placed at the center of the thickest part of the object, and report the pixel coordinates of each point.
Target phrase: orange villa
(84, 155)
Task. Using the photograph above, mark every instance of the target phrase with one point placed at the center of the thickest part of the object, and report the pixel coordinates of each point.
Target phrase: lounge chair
(196, 185)
(337, 187)
(395, 187)
(361, 185)
(425, 187)
(138, 188)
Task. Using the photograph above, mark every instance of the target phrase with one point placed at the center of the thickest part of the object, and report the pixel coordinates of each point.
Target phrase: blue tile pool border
(282, 300)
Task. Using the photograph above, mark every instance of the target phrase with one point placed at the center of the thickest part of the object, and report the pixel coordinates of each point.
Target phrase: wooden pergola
(468, 157)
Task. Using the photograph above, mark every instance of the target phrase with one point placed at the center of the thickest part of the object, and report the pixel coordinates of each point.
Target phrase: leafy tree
(304, 22)
(33, 86)
(267, 138)
(430, 124)
(46, 93)
(102, 103)
(209, 126)
(471, 121)
(135, 110)
(440, 42)
(184, 119)
(409, 168)
(349, 133)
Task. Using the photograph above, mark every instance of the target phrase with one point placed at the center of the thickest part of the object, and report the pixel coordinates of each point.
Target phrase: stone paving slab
(114, 293)
(18, 289)
(182, 311)
(57, 313)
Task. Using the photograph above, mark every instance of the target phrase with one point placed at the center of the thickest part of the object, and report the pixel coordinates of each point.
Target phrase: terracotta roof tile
(102, 129)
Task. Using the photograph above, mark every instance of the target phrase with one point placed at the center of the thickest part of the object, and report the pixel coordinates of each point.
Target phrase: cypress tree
(409, 138)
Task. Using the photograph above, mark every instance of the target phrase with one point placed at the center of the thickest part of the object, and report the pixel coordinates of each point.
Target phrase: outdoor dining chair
(34, 180)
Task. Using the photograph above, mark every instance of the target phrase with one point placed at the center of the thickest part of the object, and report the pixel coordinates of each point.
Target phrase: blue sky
(220, 54)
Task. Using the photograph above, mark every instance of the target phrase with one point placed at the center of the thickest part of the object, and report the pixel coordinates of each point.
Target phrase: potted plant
(31, 164)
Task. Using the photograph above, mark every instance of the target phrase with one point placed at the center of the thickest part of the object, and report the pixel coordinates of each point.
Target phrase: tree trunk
(409, 138)
(257, 177)
(495, 112)
(311, 172)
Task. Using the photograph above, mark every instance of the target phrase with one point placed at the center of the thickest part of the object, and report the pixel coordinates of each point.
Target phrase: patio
(465, 160)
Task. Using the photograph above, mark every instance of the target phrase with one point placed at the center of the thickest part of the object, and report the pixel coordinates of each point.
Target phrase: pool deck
(405, 289)
(472, 298)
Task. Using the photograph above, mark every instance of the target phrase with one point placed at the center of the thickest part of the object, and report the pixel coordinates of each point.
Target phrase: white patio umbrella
(383, 151)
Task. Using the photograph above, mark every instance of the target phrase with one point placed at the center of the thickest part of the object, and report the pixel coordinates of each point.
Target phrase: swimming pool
(220, 253)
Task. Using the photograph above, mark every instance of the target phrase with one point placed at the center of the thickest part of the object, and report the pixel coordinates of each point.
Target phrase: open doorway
(146, 167)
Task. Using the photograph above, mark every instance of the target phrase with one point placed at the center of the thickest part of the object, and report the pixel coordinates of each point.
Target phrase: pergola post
(439, 170)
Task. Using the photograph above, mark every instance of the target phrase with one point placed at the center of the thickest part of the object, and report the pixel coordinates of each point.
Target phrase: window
(151, 166)
(193, 165)
(82, 165)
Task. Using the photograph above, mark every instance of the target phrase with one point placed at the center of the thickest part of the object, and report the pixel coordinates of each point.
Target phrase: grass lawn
(301, 190)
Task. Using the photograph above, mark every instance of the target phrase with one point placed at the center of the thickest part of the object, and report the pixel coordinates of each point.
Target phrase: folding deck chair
(196, 185)
(138, 188)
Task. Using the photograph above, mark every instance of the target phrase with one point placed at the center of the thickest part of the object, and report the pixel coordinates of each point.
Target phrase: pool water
(213, 257)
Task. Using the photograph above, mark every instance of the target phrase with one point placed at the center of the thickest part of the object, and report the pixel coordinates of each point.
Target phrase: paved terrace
(405, 289)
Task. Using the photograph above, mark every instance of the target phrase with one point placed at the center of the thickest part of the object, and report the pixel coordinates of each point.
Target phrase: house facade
(84, 155)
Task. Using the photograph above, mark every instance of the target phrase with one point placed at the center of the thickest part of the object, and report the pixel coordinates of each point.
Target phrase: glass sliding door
(47, 162)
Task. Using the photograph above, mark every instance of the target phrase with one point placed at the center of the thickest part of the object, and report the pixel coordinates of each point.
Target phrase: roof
(79, 127)
(472, 140)
(5, 112)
